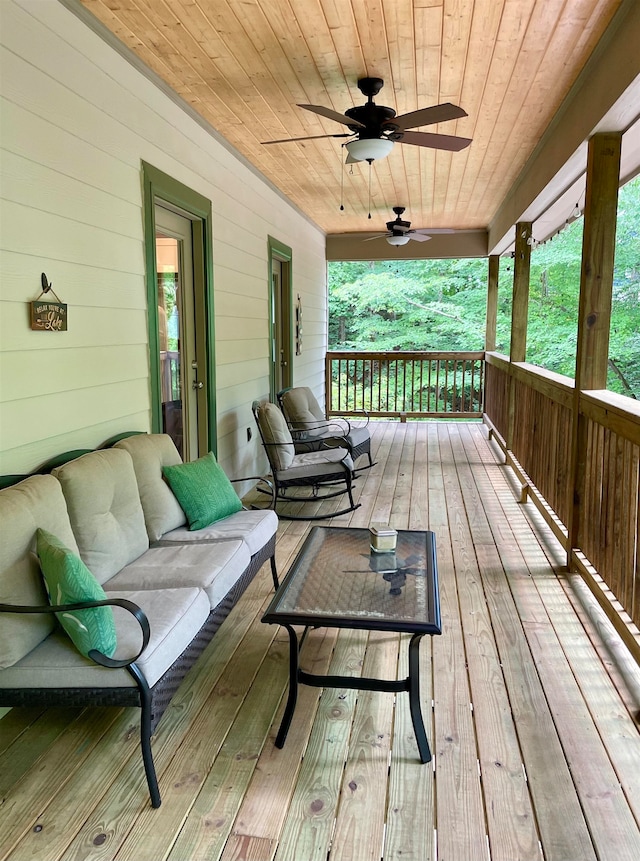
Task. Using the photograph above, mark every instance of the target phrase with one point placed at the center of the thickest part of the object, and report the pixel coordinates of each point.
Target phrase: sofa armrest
(94, 654)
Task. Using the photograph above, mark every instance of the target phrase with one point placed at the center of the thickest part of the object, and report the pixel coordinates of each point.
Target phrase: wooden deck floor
(530, 703)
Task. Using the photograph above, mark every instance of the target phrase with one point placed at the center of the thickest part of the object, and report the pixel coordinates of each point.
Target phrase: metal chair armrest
(366, 416)
(258, 478)
(328, 426)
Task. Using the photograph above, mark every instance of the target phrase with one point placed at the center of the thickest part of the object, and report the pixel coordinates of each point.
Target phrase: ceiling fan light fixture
(398, 240)
(369, 149)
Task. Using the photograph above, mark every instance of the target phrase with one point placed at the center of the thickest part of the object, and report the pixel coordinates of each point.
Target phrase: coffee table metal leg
(293, 687)
(414, 698)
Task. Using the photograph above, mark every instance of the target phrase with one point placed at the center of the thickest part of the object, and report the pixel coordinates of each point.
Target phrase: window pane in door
(168, 275)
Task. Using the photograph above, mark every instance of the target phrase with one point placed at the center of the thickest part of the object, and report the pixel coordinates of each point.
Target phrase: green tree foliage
(554, 288)
(413, 305)
(441, 304)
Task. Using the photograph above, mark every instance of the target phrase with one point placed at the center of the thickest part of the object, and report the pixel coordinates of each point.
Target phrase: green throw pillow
(203, 490)
(69, 581)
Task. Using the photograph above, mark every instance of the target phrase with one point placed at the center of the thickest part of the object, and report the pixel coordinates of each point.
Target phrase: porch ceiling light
(398, 240)
(369, 149)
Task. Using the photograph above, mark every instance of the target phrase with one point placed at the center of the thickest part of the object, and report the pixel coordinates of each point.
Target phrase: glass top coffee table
(337, 581)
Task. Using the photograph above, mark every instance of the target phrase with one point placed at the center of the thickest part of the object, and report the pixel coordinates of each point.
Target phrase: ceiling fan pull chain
(369, 160)
(341, 180)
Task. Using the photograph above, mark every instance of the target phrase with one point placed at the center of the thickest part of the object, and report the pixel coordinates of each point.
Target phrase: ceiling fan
(377, 128)
(399, 232)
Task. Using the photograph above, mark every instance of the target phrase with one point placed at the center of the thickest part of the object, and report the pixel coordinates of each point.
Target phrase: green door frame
(159, 186)
(280, 251)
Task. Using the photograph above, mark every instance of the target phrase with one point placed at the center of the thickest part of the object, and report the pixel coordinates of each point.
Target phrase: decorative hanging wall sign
(48, 316)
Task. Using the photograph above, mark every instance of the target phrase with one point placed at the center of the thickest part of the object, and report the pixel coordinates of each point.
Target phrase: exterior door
(180, 334)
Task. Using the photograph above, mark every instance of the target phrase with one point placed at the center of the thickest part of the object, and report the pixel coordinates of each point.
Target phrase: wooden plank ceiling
(245, 65)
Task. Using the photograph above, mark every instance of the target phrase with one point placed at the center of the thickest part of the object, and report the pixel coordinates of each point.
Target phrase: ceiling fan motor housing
(398, 227)
(373, 117)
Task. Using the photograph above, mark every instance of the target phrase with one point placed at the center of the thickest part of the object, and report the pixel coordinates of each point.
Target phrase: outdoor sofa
(169, 586)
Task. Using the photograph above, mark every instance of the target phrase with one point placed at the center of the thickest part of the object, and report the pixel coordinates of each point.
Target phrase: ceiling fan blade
(434, 230)
(446, 142)
(311, 138)
(419, 237)
(427, 116)
(377, 236)
(333, 115)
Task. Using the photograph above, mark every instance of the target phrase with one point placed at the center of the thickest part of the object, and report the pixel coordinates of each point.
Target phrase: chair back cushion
(275, 435)
(150, 453)
(301, 407)
(105, 510)
(35, 502)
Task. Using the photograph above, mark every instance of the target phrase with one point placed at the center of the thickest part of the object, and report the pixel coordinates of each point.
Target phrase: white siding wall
(76, 122)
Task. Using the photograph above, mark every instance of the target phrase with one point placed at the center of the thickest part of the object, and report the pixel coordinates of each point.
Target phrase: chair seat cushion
(175, 617)
(317, 463)
(255, 528)
(215, 568)
(357, 436)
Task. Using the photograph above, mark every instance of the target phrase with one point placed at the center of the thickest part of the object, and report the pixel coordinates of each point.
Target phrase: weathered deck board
(362, 807)
(460, 816)
(563, 829)
(550, 751)
(210, 820)
(501, 765)
(264, 807)
(23, 738)
(307, 833)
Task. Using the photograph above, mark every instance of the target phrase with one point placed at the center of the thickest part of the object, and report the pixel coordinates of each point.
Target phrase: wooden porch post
(492, 302)
(519, 312)
(596, 287)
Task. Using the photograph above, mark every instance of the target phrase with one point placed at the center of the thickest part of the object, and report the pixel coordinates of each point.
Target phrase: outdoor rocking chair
(316, 468)
(305, 417)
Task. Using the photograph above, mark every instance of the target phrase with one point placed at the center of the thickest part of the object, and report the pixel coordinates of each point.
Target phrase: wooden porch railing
(531, 413)
(405, 384)
(536, 426)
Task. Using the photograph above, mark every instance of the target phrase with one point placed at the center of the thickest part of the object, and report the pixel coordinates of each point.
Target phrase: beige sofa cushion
(150, 452)
(255, 528)
(35, 502)
(105, 511)
(175, 617)
(212, 567)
